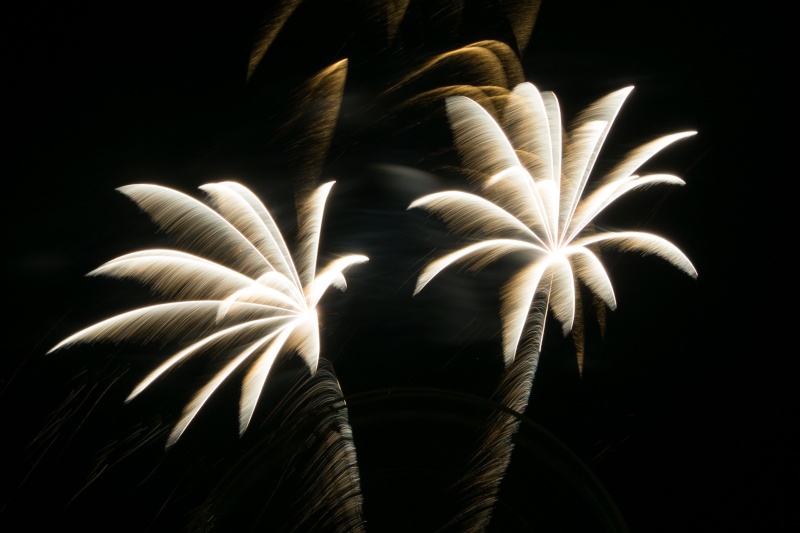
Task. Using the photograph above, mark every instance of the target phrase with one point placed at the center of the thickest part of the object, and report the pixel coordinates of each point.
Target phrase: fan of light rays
(244, 294)
(535, 202)
(532, 201)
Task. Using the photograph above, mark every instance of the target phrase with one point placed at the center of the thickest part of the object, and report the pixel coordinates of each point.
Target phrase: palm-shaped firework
(247, 297)
(533, 180)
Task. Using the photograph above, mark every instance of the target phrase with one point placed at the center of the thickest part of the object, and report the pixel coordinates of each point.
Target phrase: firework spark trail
(533, 181)
(391, 11)
(332, 470)
(269, 31)
(478, 488)
(305, 475)
(489, 65)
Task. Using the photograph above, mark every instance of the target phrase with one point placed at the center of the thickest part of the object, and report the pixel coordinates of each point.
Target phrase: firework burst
(534, 203)
(244, 295)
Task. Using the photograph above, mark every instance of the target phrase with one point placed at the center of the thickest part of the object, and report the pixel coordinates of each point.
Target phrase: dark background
(685, 417)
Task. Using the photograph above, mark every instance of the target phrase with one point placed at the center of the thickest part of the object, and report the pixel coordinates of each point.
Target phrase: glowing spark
(260, 304)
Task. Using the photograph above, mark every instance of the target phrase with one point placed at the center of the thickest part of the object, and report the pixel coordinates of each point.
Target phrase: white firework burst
(244, 295)
(532, 202)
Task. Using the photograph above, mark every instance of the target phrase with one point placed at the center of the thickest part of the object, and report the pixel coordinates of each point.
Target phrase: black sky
(686, 413)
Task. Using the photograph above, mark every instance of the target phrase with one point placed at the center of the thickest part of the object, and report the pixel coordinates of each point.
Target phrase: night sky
(685, 416)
